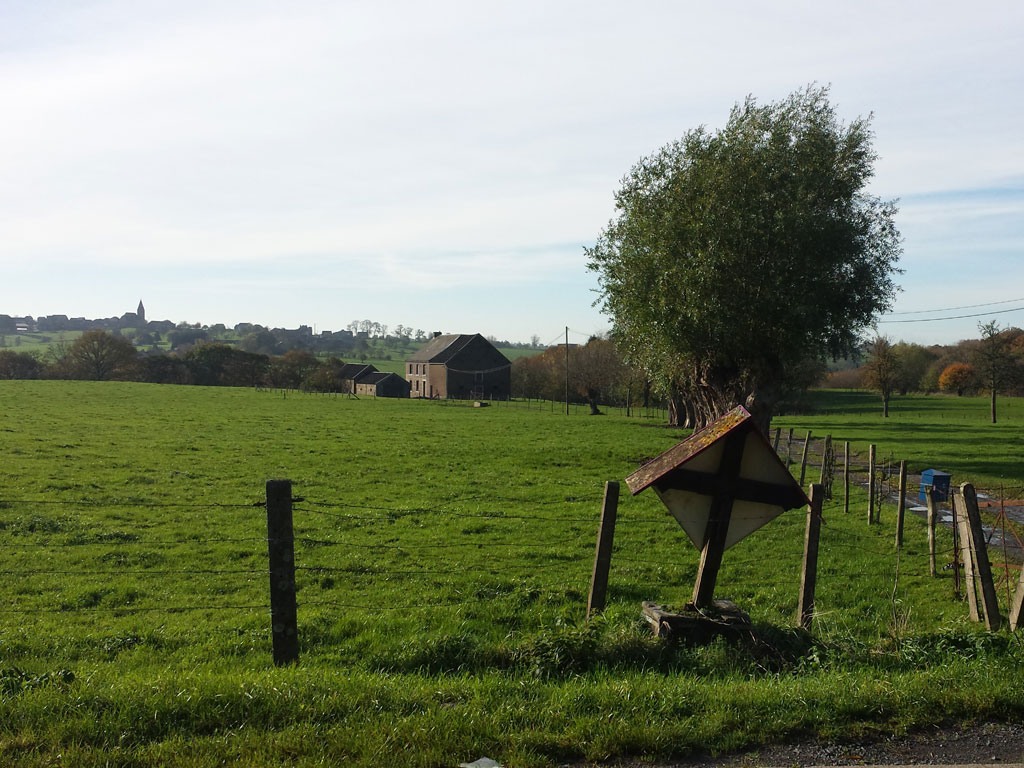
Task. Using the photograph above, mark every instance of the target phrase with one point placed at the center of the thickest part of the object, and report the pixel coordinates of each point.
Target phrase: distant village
(143, 331)
(437, 366)
(419, 364)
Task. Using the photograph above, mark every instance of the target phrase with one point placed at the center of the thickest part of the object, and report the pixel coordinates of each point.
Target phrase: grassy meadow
(944, 432)
(443, 559)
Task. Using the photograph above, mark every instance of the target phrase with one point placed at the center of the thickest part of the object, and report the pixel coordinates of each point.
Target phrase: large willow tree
(737, 257)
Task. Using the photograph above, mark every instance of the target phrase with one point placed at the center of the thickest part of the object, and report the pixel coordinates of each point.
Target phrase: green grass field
(443, 562)
(36, 342)
(953, 434)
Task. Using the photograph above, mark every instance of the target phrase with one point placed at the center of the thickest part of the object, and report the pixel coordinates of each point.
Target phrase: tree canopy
(994, 358)
(735, 256)
(100, 355)
(959, 378)
(883, 370)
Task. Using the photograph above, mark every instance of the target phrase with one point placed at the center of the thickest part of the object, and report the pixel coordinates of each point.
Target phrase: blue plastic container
(938, 480)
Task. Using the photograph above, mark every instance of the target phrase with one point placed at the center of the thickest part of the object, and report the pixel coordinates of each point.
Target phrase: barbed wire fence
(559, 542)
(50, 536)
(1000, 513)
(627, 409)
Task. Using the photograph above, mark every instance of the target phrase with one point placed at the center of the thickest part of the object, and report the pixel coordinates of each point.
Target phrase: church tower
(141, 312)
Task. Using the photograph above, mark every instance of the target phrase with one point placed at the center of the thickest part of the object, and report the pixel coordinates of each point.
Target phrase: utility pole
(567, 370)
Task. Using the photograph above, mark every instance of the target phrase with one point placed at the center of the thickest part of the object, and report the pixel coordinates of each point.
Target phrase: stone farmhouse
(459, 366)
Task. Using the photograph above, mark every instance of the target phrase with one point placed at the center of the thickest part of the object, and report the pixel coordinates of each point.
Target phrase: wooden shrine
(720, 484)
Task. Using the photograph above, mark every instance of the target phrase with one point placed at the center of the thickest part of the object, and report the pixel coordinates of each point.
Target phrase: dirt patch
(991, 743)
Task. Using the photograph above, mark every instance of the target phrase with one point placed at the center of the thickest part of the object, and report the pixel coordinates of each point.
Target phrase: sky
(443, 165)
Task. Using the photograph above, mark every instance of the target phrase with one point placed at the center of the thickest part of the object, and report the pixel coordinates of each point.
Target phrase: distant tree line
(358, 338)
(598, 374)
(992, 364)
(964, 368)
(102, 356)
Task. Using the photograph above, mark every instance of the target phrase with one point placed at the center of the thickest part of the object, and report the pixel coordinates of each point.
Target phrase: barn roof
(442, 348)
(355, 371)
(376, 377)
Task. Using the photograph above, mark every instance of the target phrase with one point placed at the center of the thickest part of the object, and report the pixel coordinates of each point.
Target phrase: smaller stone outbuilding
(351, 374)
(382, 385)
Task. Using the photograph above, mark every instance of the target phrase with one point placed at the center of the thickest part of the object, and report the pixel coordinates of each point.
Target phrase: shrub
(959, 378)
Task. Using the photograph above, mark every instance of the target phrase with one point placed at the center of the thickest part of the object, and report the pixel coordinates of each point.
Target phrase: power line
(954, 317)
(587, 336)
(554, 340)
(487, 370)
(951, 309)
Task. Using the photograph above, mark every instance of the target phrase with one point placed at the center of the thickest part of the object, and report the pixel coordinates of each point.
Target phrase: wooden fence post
(901, 503)
(956, 544)
(809, 569)
(970, 584)
(827, 467)
(933, 497)
(281, 548)
(789, 448)
(846, 478)
(603, 553)
(871, 484)
(979, 552)
(1018, 601)
(778, 434)
(803, 459)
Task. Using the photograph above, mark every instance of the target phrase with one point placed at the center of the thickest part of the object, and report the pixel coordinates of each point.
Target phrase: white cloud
(234, 133)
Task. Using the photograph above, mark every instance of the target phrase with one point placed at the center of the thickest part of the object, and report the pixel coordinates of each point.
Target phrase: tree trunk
(761, 405)
(885, 406)
(993, 405)
(677, 411)
(675, 405)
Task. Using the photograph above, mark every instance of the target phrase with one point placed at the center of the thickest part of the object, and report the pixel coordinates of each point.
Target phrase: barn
(382, 385)
(459, 366)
